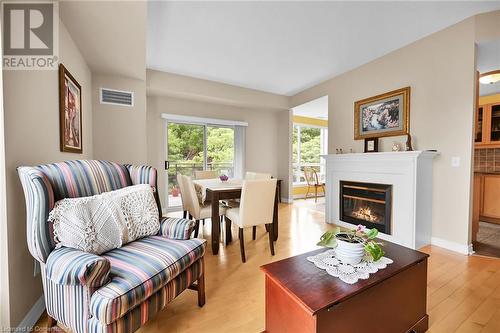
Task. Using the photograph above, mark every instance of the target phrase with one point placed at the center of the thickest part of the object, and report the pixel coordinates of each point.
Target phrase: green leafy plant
(358, 235)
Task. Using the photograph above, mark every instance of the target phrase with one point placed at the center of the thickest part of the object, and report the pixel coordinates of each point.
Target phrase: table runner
(201, 186)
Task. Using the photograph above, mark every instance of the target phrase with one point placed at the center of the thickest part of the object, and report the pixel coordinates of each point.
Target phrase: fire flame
(365, 213)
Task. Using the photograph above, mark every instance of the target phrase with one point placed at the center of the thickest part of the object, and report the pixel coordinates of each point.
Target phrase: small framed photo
(371, 145)
(70, 112)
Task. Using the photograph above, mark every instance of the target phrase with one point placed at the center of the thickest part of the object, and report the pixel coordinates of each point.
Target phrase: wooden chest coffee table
(303, 298)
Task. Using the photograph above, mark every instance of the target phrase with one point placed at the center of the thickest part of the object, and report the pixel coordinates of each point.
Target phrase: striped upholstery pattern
(39, 198)
(138, 270)
(176, 228)
(134, 319)
(122, 288)
(83, 178)
(69, 266)
(142, 174)
(67, 303)
(45, 184)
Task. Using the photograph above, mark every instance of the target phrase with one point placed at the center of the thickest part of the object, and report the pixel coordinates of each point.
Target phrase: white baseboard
(452, 246)
(33, 315)
(286, 200)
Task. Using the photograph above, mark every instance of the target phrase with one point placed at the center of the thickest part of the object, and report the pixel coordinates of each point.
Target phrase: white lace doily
(346, 272)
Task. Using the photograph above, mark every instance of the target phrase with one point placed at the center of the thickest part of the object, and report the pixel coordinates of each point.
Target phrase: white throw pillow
(106, 221)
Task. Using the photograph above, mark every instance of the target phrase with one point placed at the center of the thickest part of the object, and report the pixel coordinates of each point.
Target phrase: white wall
(4, 259)
(263, 143)
(440, 71)
(119, 131)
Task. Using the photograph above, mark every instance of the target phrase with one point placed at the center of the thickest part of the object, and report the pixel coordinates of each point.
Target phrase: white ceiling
(488, 59)
(111, 35)
(285, 47)
(317, 108)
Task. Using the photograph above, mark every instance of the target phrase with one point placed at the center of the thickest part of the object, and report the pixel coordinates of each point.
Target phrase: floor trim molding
(452, 246)
(33, 314)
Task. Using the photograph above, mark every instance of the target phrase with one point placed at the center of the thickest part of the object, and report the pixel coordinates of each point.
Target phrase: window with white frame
(309, 142)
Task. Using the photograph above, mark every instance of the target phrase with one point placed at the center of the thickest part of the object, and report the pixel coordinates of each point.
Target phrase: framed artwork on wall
(70, 112)
(371, 145)
(383, 115)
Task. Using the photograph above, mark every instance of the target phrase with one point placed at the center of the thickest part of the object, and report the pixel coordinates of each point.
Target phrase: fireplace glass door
(367, 204)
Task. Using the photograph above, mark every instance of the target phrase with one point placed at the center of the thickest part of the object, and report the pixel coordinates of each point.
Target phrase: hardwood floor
(463, 292)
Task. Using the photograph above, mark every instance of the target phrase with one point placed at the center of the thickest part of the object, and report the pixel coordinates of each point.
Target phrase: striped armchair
(121, 289)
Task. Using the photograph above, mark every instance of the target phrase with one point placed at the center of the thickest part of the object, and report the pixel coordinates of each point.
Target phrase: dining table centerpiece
(351, 246)
(223, 178)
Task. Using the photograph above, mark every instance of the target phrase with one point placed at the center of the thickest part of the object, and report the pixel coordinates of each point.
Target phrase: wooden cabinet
(491, 198)
(486, 200)
(303, 298)
(487, 126)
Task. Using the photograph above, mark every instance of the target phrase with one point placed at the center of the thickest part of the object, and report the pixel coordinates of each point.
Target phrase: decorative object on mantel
(371, 145)
(409, 146)
(396, 146)
(348, 273)
(70, 112)
(352, 245)
(383, 115)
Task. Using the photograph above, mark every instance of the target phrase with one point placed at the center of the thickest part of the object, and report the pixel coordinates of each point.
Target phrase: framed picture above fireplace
(383, 115)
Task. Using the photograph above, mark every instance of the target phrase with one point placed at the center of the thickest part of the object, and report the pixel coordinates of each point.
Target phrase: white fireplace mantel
(409, 173)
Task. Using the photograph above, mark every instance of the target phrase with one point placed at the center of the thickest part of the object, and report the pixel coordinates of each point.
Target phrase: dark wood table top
(315, 289)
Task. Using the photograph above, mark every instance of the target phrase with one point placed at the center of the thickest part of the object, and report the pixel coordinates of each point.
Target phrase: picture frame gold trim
(405, 92)
(63, 147)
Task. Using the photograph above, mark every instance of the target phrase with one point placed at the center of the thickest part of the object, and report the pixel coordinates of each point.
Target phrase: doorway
(309, 142)
(486, 185)
(194, 146)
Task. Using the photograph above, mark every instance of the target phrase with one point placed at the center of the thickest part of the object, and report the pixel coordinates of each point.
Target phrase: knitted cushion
(106, 221)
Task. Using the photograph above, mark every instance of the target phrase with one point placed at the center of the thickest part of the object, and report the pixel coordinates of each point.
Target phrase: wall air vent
(117, 97)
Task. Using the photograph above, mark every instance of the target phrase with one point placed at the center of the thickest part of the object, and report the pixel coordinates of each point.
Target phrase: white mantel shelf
(409, 173)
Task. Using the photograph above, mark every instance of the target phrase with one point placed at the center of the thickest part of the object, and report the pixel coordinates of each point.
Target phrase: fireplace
(367, 204)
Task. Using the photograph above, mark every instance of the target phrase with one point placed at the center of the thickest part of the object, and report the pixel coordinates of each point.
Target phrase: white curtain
(239, 151)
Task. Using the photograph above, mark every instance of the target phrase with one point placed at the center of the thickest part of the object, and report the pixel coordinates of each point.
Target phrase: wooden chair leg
(229, 236)
(203, 221)
(51, 322)
(242, 245)
(190, 216)
(315, 194)
(271, 239)
(184, 214)
(196, 228)
(201, 285)
(254, 232)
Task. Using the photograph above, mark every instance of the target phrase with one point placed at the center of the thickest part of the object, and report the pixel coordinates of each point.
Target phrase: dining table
(214, 190)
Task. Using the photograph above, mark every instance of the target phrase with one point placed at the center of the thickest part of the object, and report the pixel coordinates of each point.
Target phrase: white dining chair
(205, 174)
(250, 175)
(195, 209)
(180, 183)
(256, 208)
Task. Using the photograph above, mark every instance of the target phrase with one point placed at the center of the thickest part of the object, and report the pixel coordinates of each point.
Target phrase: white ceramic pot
(349, 253)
